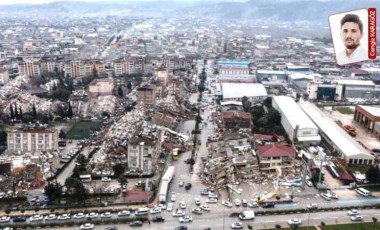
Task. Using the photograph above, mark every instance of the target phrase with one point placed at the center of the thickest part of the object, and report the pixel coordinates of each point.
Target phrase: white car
(79, 216)
(4, 219)
(227, 204)
(205, 207)
(161, 206)
(92, 215)
(356, 218)
(106, 179)
(211, 200)
(294, 221)
(124, 213)
(50, 217)
(155, 210)
(197, 201)
(170, 207)
(185, 219)
(197, 211)
(181, 183)
(173, 198)
(212, 195)
(237, 202)
(64, 217)
(182, 205)
(326, 196)
(178, 212)
(237, 225)
(309, 183)
(106, 215)
(87, 226)
(36, 218)
(312, 206)
(253, 205)
(353, 212)
(204, 192)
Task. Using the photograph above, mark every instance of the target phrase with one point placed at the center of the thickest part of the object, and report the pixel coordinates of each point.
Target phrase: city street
(218, 220)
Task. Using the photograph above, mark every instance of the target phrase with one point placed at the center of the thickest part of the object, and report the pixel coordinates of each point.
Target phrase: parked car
(197, 201)
(204, 192)
(106, 215)
(294, 221)
(197, 211)
(325, 196)
(181, 183)
(267, 205)
(205, 207)
(50, 217)
(20, 219)
(227, 204)
(252, 205)
(106, 179)
(237, 225)
(136, 223)
(155, 210)
(92, 215)
(79, 216)
(353, 212)
(237, 202)
(173, 198)
(178, 212)
(188, 186)
(356, 218)
(36, 218)
(64, 216)
(87, 226)
(124, 213)
(158, 219)
(182, 204)
(312, 206)
(211, 200)
(5, 219)
(170, 207)
(181, 228)
(309, 183)
(185, 219)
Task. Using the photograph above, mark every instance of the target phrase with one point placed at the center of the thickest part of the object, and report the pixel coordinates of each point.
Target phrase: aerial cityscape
(189, 115)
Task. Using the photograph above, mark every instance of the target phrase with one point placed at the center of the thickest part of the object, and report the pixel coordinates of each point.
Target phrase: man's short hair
(352, 18)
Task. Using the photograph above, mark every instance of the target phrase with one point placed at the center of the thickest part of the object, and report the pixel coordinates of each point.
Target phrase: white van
(363, 192)
(142, 212)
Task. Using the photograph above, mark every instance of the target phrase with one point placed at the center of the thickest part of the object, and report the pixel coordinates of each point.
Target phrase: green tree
(53, 191)
(257, 112)
(246, 103)
(76, 188)
(17, 116)
(21, 112)
(120, 92)
(26, 118)
(122, 179)
(268, 102)
(129, 85)
(3, 136)
(70, 111)
(273, 116)
(62, 134)
(82, 162)
(34, 112)
(373, 174)
(118, 169)
(12, 112)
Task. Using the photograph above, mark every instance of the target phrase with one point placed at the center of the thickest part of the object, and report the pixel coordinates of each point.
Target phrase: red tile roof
(264, 137)
(232, 114)
(275, 150)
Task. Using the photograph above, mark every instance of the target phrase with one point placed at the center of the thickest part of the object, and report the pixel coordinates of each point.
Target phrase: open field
(345, 110)
(82, 129)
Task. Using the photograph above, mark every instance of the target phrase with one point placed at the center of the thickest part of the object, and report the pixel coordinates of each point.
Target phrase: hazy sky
(8, 2)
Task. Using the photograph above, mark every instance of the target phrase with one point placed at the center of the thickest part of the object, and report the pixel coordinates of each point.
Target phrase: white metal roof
(354, 82)
(375, 111)
(267, 71)
(239, 90)
(347, 145)
(294, 114)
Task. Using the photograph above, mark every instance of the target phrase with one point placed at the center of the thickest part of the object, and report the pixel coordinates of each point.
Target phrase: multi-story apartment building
(162, 75)
(29, 67)
(142, 153)
(84, 68)
(146, 95)
(4, 76)
(272, 156)
(32, 140)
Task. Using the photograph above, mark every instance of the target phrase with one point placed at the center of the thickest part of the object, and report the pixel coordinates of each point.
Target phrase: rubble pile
(104, 103)
(26, 102)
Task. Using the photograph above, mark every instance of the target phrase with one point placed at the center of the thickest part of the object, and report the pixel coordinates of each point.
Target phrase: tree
(129, 85)
(76, 188)
(12, 113)
(62, 134)
(26, 118)
(82, 162)
(53, 191)
(268, 102)
(16, 112)
(70, 111)
(246, 103)
(34, 112)
(3, 137)
(118, 169)
(21, 113)
(122, 179)
(273, 116)
(54, 86)
(373, 174)
(120, 92)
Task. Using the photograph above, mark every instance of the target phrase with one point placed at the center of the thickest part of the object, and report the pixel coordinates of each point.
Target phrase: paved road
(216, 220)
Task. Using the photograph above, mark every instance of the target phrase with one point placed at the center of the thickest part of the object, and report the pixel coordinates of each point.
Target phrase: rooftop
(275, 150)
(239, 90)
(375, 111)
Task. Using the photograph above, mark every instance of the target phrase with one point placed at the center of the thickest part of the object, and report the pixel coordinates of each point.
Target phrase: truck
(247, 215)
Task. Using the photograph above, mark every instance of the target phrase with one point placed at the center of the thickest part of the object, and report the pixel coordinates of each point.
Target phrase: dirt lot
(363, 135)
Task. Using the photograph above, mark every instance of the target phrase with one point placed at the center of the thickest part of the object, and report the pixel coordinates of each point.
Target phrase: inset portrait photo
(350, 36)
